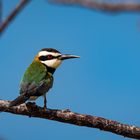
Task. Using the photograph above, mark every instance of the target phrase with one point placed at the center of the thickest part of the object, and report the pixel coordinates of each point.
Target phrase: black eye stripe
(45, 57)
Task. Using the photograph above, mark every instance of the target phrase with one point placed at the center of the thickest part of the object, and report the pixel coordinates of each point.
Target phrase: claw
(44, 108)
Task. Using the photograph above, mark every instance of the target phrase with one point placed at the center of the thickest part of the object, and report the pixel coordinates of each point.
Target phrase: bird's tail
(19, 100)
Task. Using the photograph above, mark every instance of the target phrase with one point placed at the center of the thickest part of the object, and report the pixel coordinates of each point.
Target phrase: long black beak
(67, 56)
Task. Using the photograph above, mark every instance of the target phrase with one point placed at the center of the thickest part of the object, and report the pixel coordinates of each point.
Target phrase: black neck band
(51, 70)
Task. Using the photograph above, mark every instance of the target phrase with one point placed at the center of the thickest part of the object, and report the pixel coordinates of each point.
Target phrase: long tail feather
(19, 100)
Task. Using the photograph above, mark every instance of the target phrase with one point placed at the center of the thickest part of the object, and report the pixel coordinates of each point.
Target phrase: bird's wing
(36, 81)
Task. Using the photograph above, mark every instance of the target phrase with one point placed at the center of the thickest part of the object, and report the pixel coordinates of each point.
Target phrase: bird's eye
(43, 58)
(49, 57)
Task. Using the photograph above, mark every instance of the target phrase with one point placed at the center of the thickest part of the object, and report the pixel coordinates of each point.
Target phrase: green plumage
(34, 73)
(35, 82)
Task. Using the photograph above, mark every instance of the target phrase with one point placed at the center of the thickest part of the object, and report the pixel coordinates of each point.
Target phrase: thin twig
(101, 6)
(66, 116)
(12, 15)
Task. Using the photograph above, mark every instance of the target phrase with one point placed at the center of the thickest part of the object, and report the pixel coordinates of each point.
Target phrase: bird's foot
(44, 108)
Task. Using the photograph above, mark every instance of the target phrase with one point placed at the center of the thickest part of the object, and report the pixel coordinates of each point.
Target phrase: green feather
(35, 82)
(34, 73)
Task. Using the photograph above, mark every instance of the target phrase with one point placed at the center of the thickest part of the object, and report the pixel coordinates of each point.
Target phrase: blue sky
(104, 82)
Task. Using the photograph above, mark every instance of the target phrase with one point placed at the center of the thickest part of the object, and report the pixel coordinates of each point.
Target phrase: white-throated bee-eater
(38, 78)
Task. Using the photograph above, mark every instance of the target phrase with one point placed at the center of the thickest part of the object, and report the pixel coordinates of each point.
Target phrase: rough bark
(66, 116)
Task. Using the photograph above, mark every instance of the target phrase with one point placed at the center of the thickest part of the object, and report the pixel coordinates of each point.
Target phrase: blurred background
(104, 82)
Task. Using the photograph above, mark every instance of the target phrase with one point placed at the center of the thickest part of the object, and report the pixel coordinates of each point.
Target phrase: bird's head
(52, 58)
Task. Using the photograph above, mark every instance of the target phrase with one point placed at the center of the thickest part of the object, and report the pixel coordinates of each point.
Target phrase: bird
(38, 78)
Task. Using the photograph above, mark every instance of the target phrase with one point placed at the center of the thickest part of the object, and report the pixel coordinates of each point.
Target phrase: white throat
(54, 63)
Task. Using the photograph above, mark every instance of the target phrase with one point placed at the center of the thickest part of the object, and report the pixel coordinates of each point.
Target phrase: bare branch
(101, 6)
(12, 15)
(66, 116)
